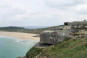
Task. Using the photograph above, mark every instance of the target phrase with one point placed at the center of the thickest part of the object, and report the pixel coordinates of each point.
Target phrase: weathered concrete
(52, 37)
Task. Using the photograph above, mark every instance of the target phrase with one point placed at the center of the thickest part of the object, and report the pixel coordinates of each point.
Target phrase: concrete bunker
(52, 37)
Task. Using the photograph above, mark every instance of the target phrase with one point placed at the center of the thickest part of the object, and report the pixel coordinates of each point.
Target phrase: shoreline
(20, 35)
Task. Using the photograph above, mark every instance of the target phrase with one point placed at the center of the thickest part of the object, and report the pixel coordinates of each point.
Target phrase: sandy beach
(20, 35)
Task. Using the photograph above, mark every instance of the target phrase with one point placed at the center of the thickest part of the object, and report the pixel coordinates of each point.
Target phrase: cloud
(41, 12)
(63, 3)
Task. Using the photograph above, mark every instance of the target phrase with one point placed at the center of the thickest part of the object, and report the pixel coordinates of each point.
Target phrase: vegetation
(21, 29)
(34, 52)
(73, 48)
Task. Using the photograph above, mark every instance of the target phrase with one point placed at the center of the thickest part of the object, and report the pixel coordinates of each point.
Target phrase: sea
(14, 47)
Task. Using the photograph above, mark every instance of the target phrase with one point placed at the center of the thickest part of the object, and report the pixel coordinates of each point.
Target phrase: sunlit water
(12, 47)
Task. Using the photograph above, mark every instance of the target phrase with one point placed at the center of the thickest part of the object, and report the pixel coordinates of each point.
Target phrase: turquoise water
(12, 47)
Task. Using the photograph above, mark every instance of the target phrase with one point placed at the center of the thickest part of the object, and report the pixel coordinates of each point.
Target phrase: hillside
(19, 29)
(22, 29)
(73, 48)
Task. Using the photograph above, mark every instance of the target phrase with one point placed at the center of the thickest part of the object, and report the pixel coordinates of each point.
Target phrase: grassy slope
(33, 52)
(67, 49)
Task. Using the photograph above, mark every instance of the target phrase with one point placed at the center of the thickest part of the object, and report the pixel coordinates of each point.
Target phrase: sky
(41, 12)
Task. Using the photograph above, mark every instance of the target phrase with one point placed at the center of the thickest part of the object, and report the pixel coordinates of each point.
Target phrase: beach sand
(20, 35)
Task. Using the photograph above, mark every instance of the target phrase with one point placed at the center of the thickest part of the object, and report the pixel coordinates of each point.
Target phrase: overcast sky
(41, 12)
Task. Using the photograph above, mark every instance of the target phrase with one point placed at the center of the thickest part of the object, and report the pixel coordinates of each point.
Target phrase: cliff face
(72, 48)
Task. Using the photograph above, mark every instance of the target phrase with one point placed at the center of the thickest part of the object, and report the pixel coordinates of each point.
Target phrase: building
(52, 37)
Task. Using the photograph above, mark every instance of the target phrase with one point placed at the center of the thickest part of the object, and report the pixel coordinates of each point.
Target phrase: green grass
(33, 52)
(67, 49)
